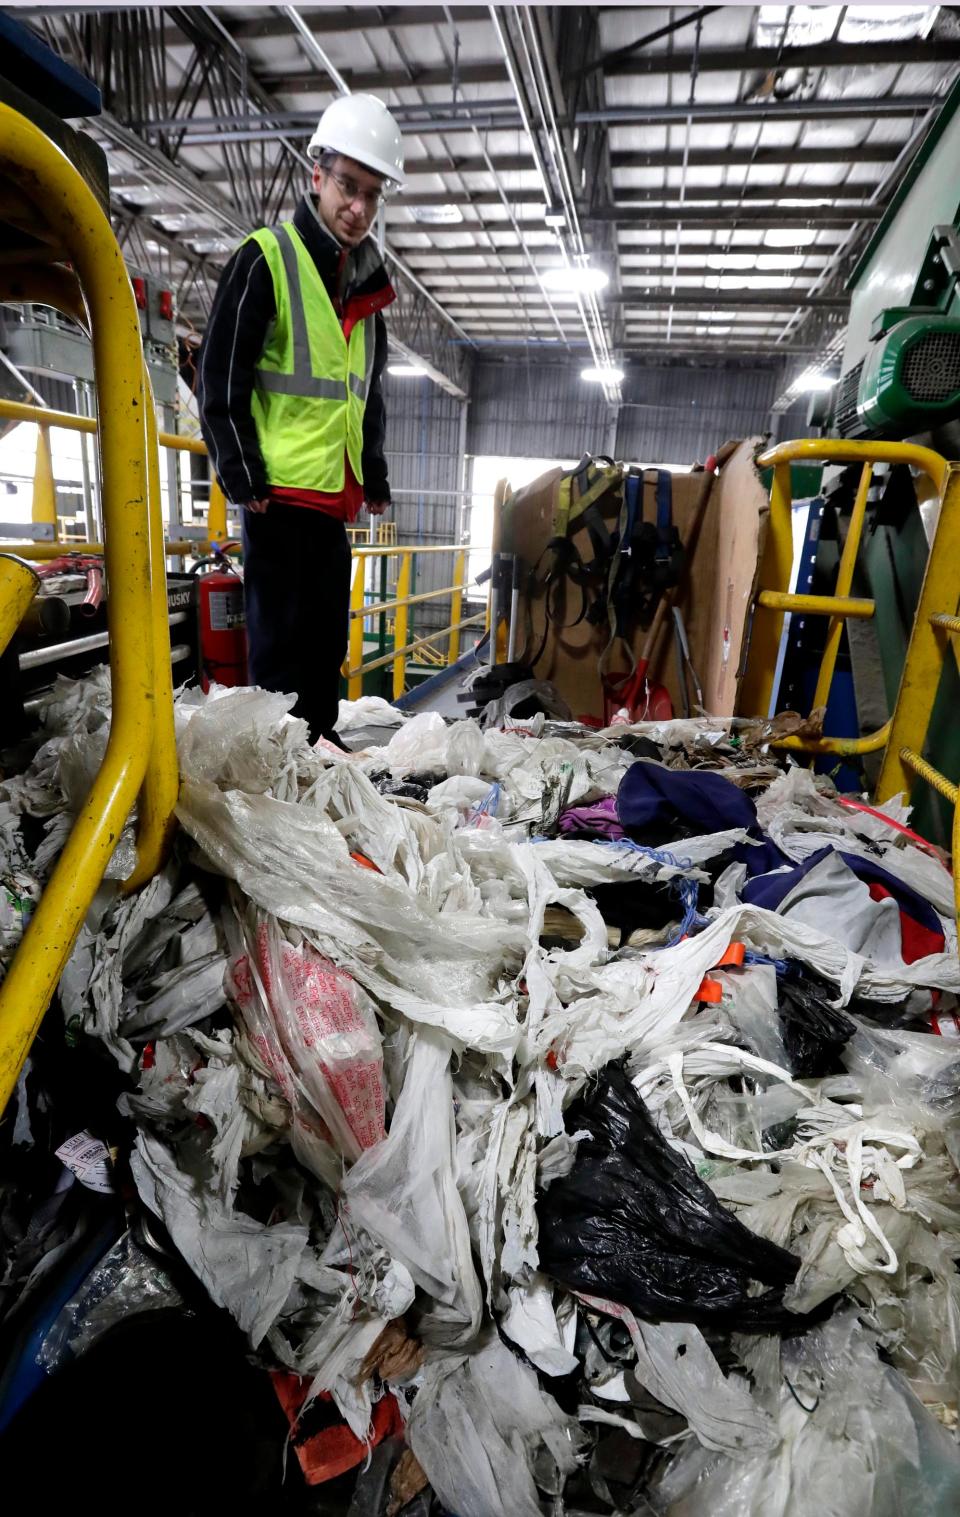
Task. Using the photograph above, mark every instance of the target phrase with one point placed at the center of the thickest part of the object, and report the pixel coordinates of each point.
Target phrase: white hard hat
(361, 127)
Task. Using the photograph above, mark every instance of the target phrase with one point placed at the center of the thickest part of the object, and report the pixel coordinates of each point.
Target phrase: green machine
(908, 381)
(900, 380)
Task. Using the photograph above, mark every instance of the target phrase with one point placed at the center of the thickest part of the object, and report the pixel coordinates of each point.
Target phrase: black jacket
(243, 308)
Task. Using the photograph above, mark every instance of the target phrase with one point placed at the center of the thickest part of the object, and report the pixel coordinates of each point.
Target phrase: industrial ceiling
(722, 165)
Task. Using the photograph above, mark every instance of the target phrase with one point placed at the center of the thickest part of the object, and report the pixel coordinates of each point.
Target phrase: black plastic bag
(814, 1032)
(634, 1223)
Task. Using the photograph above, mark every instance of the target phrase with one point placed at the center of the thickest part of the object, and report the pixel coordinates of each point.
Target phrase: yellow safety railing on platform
(936, 621)
(935, 625)
(773, 599)
(140, 755)
(361, 611)
(45, 495)
(45, 511)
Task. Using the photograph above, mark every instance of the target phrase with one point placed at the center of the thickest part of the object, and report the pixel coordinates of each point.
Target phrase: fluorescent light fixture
(795, 202)
(748, 282)
(731, 261)
(579, 279)
(780, 261)
(553, 216)
(604, 375)
(810, 381)
(887, 22)
(782, 237)
(406, 370)
(761, 262)
(437, 215)
(790, 25)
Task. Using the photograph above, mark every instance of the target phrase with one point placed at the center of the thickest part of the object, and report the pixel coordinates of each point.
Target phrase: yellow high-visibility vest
(311, 382)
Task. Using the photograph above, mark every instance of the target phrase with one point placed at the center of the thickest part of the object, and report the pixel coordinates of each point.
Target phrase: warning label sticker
(226, 610)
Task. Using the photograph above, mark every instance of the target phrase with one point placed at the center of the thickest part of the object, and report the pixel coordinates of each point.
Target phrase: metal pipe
(156, 821)
(178, 653)
(313, 48)
(843, 451)
(65, 202)
(514, 611)
(586, 302)
(684, 165)
(46, 616)
(817, 605)
(33, 658)
(318, 55)
(504, 114)
(21, 378)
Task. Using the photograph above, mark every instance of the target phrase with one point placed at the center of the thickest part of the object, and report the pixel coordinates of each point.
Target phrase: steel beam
(660, 299)
(734, 300)
(773, 60)
(635, 199)
(452, 116)
(290, 82)
(328, 21)
(831, 218)
(632, 258)
(700, 158)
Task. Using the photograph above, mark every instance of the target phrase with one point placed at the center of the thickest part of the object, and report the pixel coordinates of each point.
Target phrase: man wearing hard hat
(290, 402)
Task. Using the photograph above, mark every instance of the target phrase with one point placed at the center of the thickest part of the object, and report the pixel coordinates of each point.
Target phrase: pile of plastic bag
(573, 1114)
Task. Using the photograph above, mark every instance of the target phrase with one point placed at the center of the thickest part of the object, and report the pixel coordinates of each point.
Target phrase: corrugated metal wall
(531, 410)
(669, 415)
(680, 416)
(424, 455)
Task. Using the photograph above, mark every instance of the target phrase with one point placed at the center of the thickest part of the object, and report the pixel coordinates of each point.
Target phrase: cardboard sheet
(721, 520)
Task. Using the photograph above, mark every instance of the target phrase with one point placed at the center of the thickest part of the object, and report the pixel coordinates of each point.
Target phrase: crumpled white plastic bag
(403, 1195)
(244, 1266)
(675, 1364)
(476, 1426)
(531, 1322)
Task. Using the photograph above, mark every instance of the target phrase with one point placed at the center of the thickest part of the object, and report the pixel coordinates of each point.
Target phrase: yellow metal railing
(362, 611)
(773, 600)
(376, 534)
(44, 489)
(45, 511)
(935, 625)
(140, 755)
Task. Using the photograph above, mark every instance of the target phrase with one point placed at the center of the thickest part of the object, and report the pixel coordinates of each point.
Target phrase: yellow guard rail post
(935, 626)
(773, 599)
(43, 174)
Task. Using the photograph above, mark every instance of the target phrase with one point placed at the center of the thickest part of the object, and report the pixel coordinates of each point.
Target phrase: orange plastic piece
(710, 990)
(365, 863)
(733, 958)
(333, 1450)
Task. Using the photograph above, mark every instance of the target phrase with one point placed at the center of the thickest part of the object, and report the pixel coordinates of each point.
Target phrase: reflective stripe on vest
(306, 422)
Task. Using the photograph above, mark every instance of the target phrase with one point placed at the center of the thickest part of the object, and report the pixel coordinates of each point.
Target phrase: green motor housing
(910, 379)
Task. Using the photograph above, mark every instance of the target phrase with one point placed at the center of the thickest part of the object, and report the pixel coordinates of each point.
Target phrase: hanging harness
(634, 561)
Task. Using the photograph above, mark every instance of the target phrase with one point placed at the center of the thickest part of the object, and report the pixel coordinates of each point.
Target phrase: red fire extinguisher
(223, 624)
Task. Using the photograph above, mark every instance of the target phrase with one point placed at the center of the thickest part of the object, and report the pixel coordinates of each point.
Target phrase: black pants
(296, 573)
